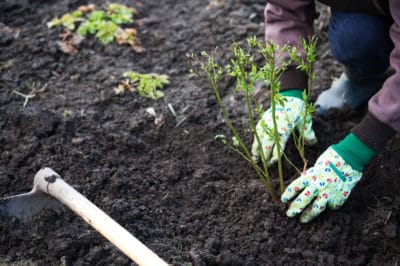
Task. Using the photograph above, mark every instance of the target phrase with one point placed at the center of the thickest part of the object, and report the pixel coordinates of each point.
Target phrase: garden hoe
(48, 184)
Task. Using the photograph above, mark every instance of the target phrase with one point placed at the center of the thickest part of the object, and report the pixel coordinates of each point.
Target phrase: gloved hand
(288, 117)
(331, 180)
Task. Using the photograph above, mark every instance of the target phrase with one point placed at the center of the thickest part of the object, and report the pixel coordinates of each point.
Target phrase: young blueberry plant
(243, 68)
(246, 72)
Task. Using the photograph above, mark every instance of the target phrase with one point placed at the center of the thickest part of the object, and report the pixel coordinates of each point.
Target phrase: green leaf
(254, 69)
(252, 41)
(221, 137)
(67, 20)
(98, 15)
(235, 141)
(52, 23)
(77, 14)
(120, 14)
(86, 28)
(106, 31)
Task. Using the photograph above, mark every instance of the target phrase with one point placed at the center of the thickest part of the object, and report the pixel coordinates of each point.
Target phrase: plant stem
(257, 137)
(291, 163)
(241, 154)
(278, 146)
(296, 141)
(273, 88)
(310, 50)
(246, 154)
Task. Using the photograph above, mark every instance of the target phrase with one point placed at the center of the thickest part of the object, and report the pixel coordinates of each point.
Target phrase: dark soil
(175, 188)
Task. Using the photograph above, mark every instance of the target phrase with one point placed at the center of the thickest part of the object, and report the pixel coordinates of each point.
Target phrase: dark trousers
(361, 42)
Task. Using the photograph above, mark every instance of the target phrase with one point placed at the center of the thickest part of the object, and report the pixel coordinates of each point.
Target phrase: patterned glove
(330, 181)
(288, 117)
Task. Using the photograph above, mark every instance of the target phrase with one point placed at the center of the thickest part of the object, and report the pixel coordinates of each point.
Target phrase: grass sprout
(34, 88)
(181, 117)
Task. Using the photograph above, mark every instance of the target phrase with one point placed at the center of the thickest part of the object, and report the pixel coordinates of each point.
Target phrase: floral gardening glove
(330, 181)
(288, 117)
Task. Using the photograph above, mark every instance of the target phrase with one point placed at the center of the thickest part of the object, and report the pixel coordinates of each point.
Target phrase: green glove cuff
(354, 152)
(297, 93)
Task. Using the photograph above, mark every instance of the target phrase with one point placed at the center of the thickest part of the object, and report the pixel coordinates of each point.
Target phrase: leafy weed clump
(105, 24)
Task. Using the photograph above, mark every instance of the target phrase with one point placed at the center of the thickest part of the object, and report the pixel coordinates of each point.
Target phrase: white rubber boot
(333, 97)
(348, 92)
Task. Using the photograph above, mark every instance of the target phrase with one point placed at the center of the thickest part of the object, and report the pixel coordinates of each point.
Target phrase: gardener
(364, 36)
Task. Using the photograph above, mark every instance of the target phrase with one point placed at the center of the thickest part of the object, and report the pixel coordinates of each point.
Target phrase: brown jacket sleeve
(385, 105)
(383, 120)
(286, 21)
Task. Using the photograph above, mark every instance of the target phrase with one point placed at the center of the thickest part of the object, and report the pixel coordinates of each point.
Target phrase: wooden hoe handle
(51, 183)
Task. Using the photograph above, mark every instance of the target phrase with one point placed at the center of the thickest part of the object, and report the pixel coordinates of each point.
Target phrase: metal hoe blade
(26, 206)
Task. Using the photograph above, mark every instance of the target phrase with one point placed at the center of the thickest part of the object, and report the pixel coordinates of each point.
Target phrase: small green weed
(67, 113)
(148, 85)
